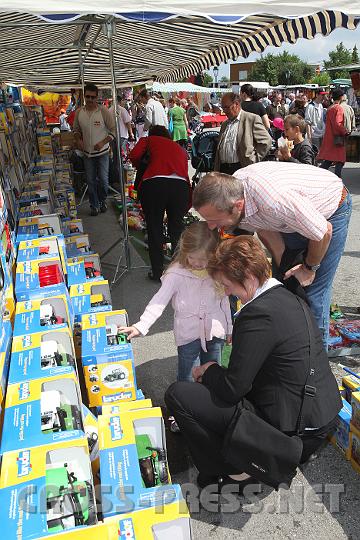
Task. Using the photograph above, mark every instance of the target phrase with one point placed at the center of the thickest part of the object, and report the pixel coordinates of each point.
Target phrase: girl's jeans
(191, 354)
(319, 292)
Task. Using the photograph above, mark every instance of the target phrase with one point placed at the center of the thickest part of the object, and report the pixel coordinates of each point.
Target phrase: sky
(310, 50)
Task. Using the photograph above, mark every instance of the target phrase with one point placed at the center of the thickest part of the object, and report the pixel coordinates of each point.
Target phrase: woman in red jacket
(164, 187)
(333, 148)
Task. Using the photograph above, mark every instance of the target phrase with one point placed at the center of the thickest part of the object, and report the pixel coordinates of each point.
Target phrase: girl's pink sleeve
(157, 304)
(225, 306)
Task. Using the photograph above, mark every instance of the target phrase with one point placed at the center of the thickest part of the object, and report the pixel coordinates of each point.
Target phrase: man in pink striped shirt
(291, 207)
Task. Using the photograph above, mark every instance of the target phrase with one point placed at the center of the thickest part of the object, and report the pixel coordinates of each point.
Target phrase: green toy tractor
(69, 502)
(57, 415)
(152, 461)
(52, 357)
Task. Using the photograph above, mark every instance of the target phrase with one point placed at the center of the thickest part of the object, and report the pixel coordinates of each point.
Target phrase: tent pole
(109, 29)
(82, 79)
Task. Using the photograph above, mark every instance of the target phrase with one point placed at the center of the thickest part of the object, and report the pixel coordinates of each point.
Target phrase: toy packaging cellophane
(90, 297)
(42, 355)
(42, 314)
(133, 461)
(107, 358)
(47, 489)
(84, 268)
(42, 411)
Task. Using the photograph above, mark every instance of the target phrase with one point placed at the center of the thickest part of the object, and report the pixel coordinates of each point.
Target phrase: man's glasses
(90, 97)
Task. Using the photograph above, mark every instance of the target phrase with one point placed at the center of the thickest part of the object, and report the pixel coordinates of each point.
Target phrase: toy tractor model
(116, 375)
(152, 461)
(92, 439)
(83, 247)
(48, 317)
(90, 270)
(69, 502)
(114, 337)
(98, 300)
(44, 250)
(93, 378)
(73, 229)
(51, 357)
(45, 229)
(56, 415)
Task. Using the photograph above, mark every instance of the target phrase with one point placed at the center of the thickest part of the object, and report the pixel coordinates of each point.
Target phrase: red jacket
(166, 157)
(334, 126)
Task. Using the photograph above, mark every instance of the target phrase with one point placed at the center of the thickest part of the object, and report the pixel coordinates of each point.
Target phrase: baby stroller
(203, 153)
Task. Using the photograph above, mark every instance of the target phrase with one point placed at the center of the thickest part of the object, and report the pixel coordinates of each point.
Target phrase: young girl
(202, 319)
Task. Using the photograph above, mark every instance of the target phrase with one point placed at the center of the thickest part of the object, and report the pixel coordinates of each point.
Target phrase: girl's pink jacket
(199, 309)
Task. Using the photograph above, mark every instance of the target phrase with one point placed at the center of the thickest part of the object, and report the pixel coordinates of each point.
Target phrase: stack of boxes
(62, 354)
(347, 435)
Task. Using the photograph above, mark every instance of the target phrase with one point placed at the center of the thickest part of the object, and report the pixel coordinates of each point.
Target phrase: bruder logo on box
(126, 529)
(26, 341)
(24, 391)
(92, 320)
(23, 463)
(27, 267)
(115, 428)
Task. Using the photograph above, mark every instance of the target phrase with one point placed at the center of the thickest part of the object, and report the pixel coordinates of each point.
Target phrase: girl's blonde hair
(196, 237)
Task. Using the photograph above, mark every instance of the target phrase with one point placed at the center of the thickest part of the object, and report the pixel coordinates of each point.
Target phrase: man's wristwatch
(312, 267)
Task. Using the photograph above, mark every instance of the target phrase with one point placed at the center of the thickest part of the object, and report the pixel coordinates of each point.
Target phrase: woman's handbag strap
(309, 389)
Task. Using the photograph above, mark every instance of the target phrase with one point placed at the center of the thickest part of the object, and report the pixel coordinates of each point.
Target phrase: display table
(213, 120)
(353, 147)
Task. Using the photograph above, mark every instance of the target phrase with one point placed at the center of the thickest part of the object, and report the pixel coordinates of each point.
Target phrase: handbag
(144, 162)
(257, 448)
(171, 124)
(339, 140)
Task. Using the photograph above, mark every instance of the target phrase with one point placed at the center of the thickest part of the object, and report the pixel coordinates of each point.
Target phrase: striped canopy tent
(51, 45)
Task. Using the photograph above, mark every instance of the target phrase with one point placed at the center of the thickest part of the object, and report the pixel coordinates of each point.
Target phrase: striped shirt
(227, 146)
(288, 198)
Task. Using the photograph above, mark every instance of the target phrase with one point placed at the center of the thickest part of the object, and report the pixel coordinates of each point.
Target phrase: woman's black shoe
(154, 277)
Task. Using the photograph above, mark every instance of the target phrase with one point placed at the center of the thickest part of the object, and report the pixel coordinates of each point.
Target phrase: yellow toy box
(42, 314)
(355, 407)
(5, 346)
(133, 461)
(351, 384)
(90, 297)
(41, 249)
(73, 227)
(78, 245)
(341, 437)
(42, 411)
(126, 406)
(355, 449)
(107, 358)
(42, 355)
(84, 268)
(34, 276)
(47, 489)
(34, 227)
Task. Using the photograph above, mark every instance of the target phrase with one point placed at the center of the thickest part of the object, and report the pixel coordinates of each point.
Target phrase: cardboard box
(120, 408)
(42, 355)
(355, 408)
(38, 249)
(42, 411)
(39, 315)
(73, 227)
(77, 245)
(133, 461)
(67, 138)
(35, 227)
(351, 384)
(5, 347)
(33, 276)
(355, 449)
(42, 485)
(341, 437)
(90, 297)
(84, 268)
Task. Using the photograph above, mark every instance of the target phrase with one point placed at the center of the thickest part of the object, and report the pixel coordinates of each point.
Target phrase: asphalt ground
(323, 502)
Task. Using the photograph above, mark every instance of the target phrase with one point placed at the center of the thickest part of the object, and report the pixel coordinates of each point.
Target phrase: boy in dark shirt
(302, 150)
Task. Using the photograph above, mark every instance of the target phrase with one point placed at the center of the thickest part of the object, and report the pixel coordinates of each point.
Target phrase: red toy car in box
(50, 274)
(90, 270)
(44, 250)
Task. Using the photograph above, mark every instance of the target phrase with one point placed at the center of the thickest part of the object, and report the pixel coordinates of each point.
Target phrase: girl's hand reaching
(229, 339)
(131, 331)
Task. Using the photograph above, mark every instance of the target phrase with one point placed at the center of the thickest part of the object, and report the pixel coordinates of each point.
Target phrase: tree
(355, 55)
(282, 68)
(208, 80)
(340, 56)
(322, 79)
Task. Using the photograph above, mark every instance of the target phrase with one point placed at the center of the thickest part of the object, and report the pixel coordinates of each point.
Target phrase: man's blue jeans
(97, 178)
(319, 292)
(191, 354)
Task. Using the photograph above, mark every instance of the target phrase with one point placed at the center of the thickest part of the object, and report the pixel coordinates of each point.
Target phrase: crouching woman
(278, 372)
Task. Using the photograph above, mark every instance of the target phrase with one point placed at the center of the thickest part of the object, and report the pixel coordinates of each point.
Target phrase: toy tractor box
(41, 200)
(77, 245)
(41, 314)
(33, 276)
(133, 461)
(126, 406)
(47, 490)
(83, 269)
(72, 227)
(92, 435)
(355, 450)
(107, 358)
(42, 411)
(170, 521)
(38, 226)
(355, 408)
(38, 249)
(90, 297)
(351, 384)
(5, 347)
(341, 438)
(42, 355)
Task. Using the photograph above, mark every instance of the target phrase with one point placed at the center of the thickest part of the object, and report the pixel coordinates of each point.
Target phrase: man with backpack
(314, 118)
(94, 128)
